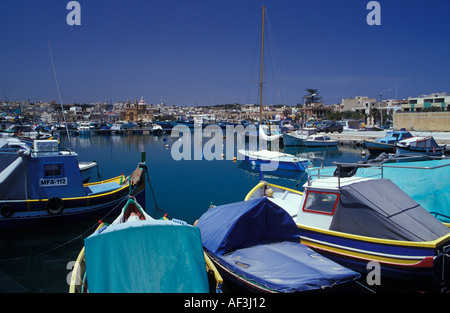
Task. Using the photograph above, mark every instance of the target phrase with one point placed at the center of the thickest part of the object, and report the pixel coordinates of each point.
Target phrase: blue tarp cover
(243, 224)
(260, 241)
(146, 256)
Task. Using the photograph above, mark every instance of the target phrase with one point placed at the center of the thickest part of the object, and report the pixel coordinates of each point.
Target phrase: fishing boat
(43, 186)
(157, 130)
(255, 245)
(386, 143)
(308, 137)
(137, 253)
(84, 128)
(356, 220)
(420, 145)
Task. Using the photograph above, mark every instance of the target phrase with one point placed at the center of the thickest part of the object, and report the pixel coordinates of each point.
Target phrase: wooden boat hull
(378, 147)
(36, 212)
(425, 151)
(276, 164)
(407, 261)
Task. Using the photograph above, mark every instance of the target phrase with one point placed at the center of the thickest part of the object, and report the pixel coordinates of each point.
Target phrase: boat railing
(344, 169)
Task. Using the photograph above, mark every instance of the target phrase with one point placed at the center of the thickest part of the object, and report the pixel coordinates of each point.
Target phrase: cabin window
(320, 202)
(52, 170)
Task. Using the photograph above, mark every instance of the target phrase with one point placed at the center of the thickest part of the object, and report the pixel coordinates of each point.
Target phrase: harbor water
(41, 260)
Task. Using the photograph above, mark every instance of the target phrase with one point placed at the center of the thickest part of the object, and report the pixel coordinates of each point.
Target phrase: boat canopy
(243, 224)
(378, 208)
(146, 256)
(260, 241)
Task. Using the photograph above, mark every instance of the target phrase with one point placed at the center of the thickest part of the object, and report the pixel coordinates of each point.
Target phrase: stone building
(138, 111)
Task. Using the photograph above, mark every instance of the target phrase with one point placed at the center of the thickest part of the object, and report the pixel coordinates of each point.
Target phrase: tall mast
(261, 77)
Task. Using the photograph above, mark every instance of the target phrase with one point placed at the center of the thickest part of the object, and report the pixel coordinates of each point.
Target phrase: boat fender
(269, 192)
(55, 206)
(7, 210)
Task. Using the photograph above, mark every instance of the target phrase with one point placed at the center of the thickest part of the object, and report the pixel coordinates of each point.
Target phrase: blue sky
(205, 52)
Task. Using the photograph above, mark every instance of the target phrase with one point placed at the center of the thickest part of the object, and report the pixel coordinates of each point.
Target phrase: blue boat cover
(146, 256)
(258, 240)
(244, 224)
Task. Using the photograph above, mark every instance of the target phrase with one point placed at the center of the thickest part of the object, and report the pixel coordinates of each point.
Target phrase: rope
(89, 230)
(157, 208)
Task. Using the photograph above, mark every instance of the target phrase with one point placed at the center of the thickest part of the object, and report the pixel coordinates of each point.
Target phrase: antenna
(59, 95)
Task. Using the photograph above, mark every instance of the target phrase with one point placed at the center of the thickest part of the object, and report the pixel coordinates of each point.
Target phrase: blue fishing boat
(356, 220)
(137, 253)
(387, 143)
(43, 186)
(256, 245)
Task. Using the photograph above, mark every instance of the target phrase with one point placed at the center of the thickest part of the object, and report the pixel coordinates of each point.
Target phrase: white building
(438, 100)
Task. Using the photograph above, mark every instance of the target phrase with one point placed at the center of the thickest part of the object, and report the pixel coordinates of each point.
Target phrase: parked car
(330, 127)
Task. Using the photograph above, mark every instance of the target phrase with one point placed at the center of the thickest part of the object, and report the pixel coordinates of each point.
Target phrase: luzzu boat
(137, 253)
(43, 186)
(357, 220)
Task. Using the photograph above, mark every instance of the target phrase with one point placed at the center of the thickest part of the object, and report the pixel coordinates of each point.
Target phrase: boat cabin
(320, 200)
(393, 137)
(356, 205)
(45, 171)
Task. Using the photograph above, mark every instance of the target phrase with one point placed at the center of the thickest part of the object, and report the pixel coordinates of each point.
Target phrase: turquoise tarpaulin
(150, 256)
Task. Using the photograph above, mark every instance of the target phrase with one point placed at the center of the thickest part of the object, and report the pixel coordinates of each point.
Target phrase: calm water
(38, 260)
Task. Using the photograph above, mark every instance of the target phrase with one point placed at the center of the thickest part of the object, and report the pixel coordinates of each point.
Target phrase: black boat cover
(378, 208)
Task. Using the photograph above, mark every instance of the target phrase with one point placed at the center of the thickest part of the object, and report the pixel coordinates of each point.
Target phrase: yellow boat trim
(93, 196)
(78, 270)
(421, 244)
(364, 256)
(76, 273)
(211, 267)
(263, 183)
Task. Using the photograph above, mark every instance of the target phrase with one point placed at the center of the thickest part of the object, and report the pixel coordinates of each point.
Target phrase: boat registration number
(50, 182)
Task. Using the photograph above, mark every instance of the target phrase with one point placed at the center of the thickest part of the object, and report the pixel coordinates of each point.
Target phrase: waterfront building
(139, 111)
(439, 101)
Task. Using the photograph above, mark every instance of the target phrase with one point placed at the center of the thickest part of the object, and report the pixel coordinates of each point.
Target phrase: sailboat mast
(262, 59)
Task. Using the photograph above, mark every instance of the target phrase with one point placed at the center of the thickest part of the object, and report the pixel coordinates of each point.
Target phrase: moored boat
(255, 244)
(137, 253)
(42, 186)
(84, 128)
(274, 160)
(308, 137)
(356, 220)
(386, 143)
(420, 145)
